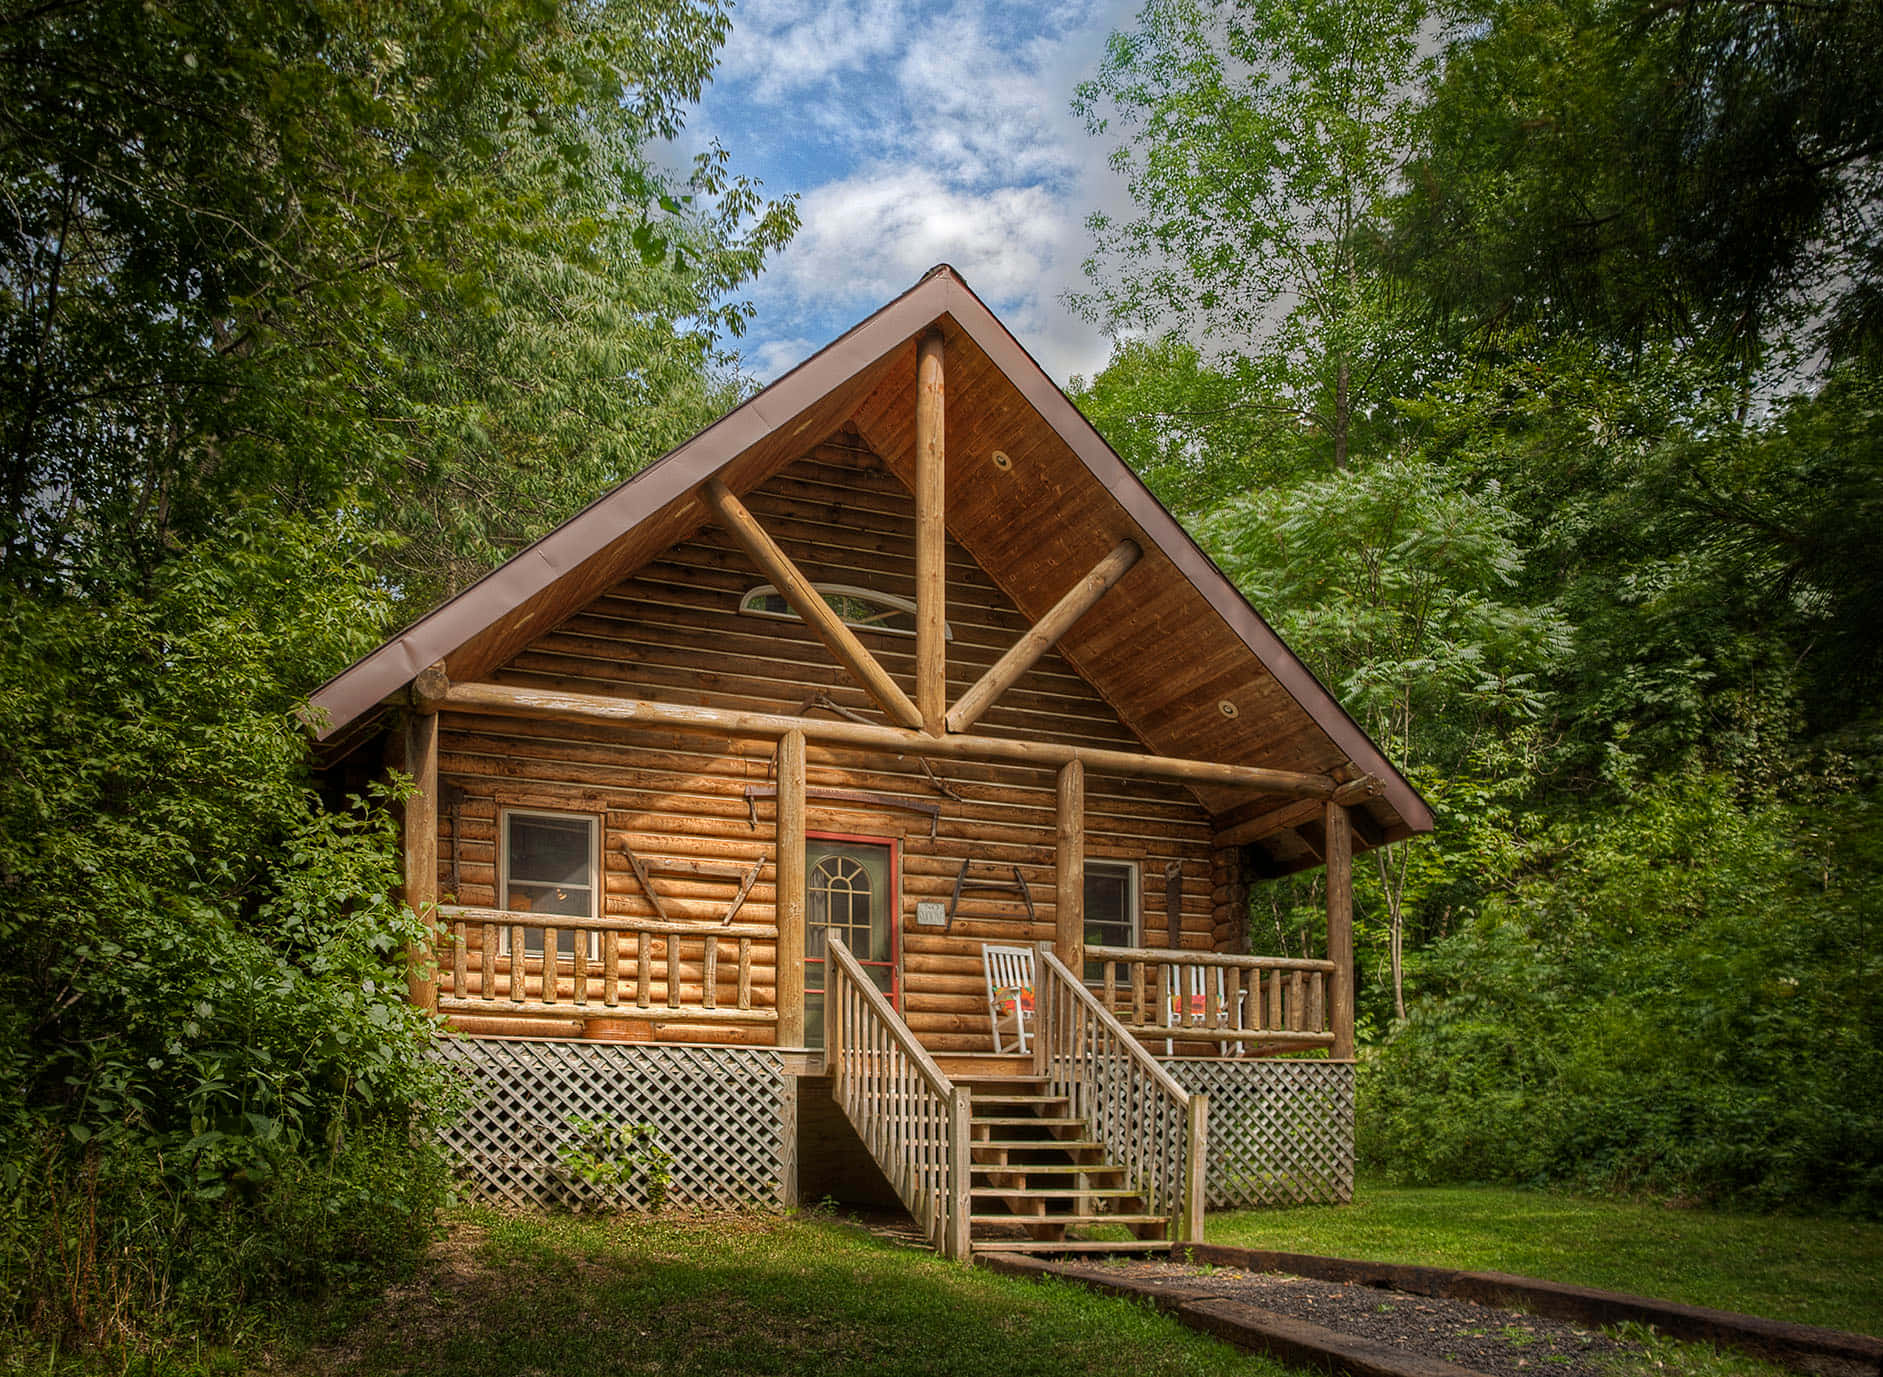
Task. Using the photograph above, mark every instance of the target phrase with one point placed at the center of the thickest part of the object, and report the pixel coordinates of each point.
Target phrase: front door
(850, 889)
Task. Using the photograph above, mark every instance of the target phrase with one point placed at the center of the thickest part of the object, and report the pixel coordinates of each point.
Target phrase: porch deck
(985, 1150)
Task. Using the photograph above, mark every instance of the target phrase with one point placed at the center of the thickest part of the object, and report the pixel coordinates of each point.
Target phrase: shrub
(211, 1085)
(1680, 996)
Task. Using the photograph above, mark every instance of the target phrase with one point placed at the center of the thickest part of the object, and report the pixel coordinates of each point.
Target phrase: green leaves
(1652, 1005)
(267, 252)
(1262, 143)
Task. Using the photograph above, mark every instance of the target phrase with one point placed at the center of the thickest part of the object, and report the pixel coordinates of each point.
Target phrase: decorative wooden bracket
(1028, 650)
(963, 884)
(830, 705)
(755, 792)
(804, 599)
(687, 865)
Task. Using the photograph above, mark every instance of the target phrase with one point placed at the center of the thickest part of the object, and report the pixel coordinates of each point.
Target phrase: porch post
(1340, 926)
(1069, 869)
(421, 854)
(931, 585)
(790, 890)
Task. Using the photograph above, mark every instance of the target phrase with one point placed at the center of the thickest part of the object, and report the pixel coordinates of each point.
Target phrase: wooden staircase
(1039, 1183)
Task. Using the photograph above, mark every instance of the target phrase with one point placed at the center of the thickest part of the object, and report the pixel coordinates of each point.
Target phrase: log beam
(790, 890)
(1340, 926)
(428, 687)
(509, 700)
(1026, 652)
(809, 604)
(1069, 867)
(421, 854)
(1240, 830)
(931, 535)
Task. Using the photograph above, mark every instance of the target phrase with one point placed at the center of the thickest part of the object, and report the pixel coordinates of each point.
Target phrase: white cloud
(918, 137)
(776, 357)
(787, 46)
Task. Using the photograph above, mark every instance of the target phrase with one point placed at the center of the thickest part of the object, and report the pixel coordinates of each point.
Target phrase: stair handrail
(911, 1117)
(1148, 1123)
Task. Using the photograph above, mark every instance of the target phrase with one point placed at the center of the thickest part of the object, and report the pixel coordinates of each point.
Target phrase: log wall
(672, 632)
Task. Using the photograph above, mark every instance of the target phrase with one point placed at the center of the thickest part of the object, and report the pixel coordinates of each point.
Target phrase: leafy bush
(607, 1154)
(211, 1085)
(1679, 995)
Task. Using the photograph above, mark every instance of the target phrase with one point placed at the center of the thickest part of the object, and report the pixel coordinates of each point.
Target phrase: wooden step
(998, 1078)
(1057, 1192)
(1019, 1099)
(1078, 1245)
(1037, 1144)
(1026, 1121)
(1070, 1220)
(1042, 1169)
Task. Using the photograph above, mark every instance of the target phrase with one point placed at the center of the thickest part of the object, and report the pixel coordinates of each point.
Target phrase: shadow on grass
(506, 1297)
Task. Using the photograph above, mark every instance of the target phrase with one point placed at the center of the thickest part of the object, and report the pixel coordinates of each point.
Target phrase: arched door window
(849, 890)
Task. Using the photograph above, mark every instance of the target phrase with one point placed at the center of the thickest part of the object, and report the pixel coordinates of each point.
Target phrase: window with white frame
(549, 865)
(864, 608)
(1111, 909)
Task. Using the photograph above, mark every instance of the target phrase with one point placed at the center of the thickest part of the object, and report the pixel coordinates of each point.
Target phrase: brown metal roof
(1167, 647)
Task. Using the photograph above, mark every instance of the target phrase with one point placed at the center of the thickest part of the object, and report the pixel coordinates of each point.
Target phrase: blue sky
(915, 136)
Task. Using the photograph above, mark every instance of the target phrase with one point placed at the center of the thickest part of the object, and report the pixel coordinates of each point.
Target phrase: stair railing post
(959, 1177)
(834, 994)
(1042, 1010)
(1196, 1137)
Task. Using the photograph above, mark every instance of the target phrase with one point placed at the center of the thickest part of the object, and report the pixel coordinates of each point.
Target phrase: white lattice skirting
(1280, 1132)
(727, 1115)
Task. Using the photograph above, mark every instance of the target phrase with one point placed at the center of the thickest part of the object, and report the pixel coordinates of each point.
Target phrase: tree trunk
(1343, 412)
(1396, 939)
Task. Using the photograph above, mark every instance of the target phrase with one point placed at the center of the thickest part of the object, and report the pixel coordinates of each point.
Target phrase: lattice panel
(726, 1114)
(1280, 1132)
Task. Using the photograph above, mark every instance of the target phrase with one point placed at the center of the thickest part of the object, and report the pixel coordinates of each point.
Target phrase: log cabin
(725, 789)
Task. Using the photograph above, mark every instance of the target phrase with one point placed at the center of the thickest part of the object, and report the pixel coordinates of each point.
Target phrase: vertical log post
(421, 854)
(790, 869)
(1196, 1133)
(1340, 926)
(931, 588)
(1069, 869)
(957, 1247)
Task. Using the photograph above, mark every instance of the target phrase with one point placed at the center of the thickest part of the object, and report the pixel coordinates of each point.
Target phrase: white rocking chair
(1009, 972)
(1188, 1008)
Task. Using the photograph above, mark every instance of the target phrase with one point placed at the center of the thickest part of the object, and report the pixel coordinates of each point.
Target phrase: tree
(1181, 424)
(1263, 141)
(238, 234)
(314, 307)
(1396, 584)
(1640, 171)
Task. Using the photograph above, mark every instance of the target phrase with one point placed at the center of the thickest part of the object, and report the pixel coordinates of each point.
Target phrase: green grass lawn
(691, 1295)
(1816, 1271)
(687, 1294)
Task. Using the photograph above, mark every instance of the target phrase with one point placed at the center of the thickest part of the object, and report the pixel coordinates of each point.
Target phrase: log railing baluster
(533, 974)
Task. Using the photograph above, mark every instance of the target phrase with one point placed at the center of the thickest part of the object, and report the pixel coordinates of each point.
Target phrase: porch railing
(913, 1119)
(1265, 1003)
(1149, 1125)
(496, 961)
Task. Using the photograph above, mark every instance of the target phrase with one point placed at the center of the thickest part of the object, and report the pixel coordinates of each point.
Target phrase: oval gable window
(863, 608)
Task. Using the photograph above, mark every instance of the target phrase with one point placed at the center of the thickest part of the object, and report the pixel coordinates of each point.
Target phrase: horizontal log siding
(673, 633)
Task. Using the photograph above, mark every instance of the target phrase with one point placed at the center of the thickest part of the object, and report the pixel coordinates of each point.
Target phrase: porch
(1089, 1130)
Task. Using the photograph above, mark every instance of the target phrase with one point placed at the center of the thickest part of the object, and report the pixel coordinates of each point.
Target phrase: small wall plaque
(929, 914)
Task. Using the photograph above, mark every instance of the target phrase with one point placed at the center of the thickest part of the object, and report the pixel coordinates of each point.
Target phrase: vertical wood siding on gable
(672, 632)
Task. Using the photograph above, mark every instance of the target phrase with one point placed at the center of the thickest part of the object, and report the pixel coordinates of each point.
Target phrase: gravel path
(1505, 1343)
